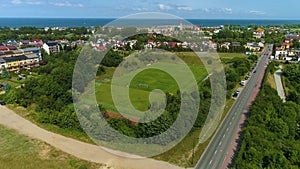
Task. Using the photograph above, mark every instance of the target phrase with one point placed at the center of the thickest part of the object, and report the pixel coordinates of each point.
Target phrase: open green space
(145, 82)
(19, 151)
(225, 57)
(39, 109)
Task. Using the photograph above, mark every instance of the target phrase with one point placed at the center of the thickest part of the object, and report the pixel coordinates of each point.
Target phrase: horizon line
(114, 18)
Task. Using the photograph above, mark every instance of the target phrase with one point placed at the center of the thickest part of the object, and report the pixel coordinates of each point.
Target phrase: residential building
(259, 33)
(14, 63)
(32, 61)
(51, 47)
(2, 64)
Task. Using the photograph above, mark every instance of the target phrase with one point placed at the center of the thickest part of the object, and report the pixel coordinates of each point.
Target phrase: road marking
(230, 123)
(233, 117)
(216, 151)
(227, 129)
(224, 135)
(220, 143)
(210, 162)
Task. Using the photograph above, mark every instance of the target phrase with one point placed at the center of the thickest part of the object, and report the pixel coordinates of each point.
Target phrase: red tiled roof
(101, 48)
(3, 48)
(150, 41)
(38, 45)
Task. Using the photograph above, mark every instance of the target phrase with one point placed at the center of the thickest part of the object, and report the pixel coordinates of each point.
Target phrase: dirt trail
(76, 148)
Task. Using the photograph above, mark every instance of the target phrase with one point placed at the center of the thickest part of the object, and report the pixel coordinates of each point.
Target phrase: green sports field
(146, 81)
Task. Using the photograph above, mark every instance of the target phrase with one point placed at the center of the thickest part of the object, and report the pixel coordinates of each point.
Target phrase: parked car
(243, 83)
(2, 103)
(236, 94)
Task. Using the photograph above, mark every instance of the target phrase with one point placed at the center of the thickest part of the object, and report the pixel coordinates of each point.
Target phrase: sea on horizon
(88, 22)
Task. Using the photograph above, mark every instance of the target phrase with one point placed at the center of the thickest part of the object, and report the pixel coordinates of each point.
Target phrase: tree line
(271, 138)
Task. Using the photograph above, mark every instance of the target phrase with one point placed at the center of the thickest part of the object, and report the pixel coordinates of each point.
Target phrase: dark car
(236, 93)
(2, 103)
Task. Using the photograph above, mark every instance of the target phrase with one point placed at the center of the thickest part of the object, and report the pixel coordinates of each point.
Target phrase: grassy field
(181, 154)
(228, 56)
(145, 82)
(271, 81)
(29, 114)
(18, 151)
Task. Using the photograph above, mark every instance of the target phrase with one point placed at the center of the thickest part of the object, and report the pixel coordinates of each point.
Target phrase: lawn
(144, 82)
(271, 81)
(225, 57)
(19, 151)
(139, 95)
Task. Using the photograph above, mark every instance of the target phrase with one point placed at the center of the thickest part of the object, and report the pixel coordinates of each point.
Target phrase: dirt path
(76, 148)
(279, 85)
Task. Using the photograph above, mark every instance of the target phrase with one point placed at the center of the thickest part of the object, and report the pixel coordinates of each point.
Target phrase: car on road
(244, 82)
(2, 103)
(236, 94)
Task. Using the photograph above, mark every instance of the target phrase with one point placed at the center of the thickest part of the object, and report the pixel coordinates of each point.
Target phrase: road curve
(215, 154)
(85, 151)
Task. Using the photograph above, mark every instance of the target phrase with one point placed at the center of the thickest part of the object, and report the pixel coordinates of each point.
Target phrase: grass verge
(19, 151)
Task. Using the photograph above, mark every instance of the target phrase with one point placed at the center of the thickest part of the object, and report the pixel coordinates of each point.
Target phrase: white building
(51, 47)
(281, 53)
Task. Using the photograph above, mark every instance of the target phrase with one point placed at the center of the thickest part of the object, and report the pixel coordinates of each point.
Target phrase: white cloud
(227, 10)
(257, 12)
(34, 3)
(16, 2)
(165, 7)
(184, 8)
(67, 4)
(28, 2)
(218, 10)
(207, 10)
(140, 9)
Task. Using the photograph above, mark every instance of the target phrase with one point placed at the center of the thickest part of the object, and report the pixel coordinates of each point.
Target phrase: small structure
(51, 47)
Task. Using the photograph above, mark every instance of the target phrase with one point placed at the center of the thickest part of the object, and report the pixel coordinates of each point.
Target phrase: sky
(188, 9)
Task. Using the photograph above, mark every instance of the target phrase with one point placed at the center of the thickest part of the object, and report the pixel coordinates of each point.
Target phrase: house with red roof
(151, 41)
(3, 48)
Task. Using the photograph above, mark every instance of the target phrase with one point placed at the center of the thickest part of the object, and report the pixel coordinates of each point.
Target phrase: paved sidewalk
(279, 85)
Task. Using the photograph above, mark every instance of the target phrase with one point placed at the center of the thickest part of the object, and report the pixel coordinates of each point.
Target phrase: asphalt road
(279, 85)
(214, 156)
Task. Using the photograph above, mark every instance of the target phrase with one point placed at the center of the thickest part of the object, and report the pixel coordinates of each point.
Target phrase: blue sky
(200, 9)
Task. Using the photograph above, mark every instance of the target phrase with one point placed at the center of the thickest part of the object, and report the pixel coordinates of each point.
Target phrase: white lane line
(227, 129)
(224, 135)
(230, 123)
(233, 117)
(210, 162)
(220, 143)
(216, 151)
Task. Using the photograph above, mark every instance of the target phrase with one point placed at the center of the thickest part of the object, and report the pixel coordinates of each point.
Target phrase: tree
(5, 73)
